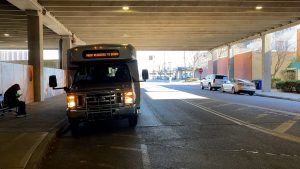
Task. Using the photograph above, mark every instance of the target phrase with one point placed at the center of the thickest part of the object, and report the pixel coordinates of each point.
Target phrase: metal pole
(184, 64)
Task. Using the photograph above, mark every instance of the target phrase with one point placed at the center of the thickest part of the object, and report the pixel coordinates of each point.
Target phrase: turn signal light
(71, 101)
(129, 97)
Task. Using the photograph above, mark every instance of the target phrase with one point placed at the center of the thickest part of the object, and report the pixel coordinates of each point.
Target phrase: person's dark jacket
(10, 96)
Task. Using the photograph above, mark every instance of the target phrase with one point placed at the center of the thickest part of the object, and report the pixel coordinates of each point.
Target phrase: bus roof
(101, 52)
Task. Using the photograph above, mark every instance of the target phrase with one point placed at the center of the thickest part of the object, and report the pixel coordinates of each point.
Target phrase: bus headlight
(129, 97)
(71, 101)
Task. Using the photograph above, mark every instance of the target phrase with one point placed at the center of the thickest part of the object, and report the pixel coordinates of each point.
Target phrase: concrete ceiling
(14, 22)
(156, 25)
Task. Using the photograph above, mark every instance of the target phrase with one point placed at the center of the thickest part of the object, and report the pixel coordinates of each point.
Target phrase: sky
(172, 59)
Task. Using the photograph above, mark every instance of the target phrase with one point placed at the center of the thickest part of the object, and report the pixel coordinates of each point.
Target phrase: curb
(43, 148)
(277, 97)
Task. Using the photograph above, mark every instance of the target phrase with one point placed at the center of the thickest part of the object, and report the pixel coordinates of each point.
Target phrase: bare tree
(195, 64)
(218, 53)
(283, 49)
(194, 60)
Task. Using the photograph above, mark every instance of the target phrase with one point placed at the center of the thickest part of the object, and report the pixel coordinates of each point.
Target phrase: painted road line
(221, 105)
(124, 148)
(279, 112)
(207, 102)
(127, 135)
(285, 126)
(261, 116)
(145, 157)
(249, 125)
(272, 111)
(241, 109)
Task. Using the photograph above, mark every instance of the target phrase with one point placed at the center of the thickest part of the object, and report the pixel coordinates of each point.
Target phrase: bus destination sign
(90, 54)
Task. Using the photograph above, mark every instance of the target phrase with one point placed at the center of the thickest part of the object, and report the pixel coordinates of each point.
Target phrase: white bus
(104, 83)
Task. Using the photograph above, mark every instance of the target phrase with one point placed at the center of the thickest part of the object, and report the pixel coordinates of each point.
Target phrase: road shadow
(99, 128)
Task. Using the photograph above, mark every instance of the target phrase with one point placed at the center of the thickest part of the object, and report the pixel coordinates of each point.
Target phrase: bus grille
(101, 105)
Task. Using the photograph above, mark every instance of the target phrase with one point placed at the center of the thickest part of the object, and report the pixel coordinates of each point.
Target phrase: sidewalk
(24, 141)
(279, 95)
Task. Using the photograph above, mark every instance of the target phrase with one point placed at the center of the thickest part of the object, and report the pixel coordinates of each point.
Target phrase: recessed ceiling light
(125, 8)
(258, 7)
(125, 35)
(6, 35)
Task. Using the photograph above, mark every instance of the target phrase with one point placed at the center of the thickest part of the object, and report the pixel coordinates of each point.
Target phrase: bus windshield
(102, 73)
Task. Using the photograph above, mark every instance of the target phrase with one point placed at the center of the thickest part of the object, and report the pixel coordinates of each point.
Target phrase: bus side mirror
(52, 81)
(145, 74)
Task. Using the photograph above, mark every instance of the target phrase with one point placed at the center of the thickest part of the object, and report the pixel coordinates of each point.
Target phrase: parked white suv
(213, 81)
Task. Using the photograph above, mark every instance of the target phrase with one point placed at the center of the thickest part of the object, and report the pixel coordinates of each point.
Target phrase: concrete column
(298, 46)
(60, 53)
(215, 63)
(66, 44)
(35, 51)
(266, 62)
(230, 62)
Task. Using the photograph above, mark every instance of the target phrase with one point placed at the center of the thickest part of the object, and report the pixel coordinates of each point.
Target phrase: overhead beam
(173, 14)
(160, 9)
(163, 18)
(265, 32)
(178, 3)
(48, 20)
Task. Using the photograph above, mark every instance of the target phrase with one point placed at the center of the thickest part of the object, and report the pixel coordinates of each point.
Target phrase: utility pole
(164, 62)
(184, 64)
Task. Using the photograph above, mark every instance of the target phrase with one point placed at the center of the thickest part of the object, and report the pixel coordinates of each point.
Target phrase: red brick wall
(210, 67)
(223, 66)
(243, 66)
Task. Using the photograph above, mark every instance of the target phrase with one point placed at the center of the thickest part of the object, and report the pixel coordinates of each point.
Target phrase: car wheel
(233, 90)
(202, 87)
(209, 87)
(222, 89)
(251, 93)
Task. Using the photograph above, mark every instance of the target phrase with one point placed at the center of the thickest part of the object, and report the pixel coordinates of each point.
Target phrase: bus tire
(133, 120)
(74, 125)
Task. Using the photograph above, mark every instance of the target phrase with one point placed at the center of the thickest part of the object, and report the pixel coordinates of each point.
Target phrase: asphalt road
(182, 127)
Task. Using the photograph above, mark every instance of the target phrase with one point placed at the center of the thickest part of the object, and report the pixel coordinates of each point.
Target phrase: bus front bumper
(116, 113)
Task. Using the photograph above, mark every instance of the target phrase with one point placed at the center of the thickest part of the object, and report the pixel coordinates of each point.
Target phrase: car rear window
(221, 77)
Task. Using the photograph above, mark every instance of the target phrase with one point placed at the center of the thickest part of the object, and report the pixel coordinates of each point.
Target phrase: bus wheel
(74, 124)
(133, 120)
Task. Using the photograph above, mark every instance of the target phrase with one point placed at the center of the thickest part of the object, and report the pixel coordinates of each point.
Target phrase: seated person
(11, 99)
